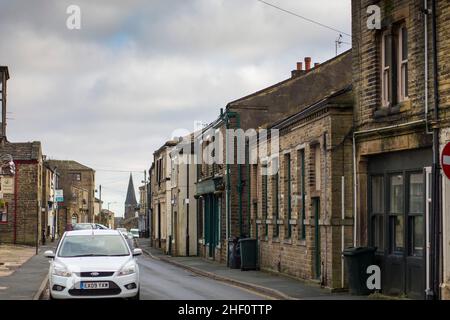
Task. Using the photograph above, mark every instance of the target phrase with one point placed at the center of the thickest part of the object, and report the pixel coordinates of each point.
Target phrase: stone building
(301, 192)
(401, 113)
(21, 203)
(224, 200)
(161, 198)
(183, 175)
(78, 184)
(106, 218)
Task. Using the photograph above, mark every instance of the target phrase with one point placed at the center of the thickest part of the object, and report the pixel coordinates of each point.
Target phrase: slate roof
(67, 165)
(22, 150)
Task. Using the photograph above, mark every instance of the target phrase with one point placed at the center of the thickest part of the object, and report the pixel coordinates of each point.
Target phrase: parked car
(135, 233)
(93, 264)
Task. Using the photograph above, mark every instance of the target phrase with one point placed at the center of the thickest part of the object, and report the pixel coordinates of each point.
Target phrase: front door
(397, 229)
(211, 223)
(317, 260)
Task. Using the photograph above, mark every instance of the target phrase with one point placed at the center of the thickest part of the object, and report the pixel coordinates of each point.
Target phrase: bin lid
(352, 251)
(247, 239)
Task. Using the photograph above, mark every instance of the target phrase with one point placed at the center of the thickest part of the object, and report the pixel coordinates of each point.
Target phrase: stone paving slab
(13, 256)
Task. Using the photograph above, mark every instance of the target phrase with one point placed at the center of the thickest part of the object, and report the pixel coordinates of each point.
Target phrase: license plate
(94, 285)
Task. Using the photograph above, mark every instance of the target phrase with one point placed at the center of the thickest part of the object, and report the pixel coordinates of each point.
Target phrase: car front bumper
(72, 287)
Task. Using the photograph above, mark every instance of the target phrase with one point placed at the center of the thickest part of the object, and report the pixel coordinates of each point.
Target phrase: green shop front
(209, 195)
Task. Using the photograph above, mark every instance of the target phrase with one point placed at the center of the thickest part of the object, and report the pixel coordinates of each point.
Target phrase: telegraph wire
(304, 18)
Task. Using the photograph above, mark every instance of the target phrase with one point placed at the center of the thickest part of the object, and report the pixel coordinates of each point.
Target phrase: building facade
(401, 112)
(22, 220)
(161, 198)
(78, 184)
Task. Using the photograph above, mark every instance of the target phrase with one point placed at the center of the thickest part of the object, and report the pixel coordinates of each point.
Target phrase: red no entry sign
(445, 160)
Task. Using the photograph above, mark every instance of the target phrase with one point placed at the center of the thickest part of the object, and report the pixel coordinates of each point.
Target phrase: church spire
(131, 195)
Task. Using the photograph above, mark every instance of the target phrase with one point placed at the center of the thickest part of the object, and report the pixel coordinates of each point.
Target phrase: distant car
(135, 233)
(93, 264)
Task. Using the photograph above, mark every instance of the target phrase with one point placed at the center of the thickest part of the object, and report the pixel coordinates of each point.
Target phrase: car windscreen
(93, 245)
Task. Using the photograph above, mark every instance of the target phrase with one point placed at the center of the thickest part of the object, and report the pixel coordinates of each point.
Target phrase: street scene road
(160, 280)
(152, 150)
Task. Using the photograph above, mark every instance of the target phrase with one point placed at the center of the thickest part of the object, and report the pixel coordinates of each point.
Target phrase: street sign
(59, 197)
(445, 160)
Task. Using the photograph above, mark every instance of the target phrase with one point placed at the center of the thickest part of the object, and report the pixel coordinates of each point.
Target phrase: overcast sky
(110, 94)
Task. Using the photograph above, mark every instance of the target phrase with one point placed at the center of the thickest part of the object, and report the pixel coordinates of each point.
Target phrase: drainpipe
(187, 210)
(16, 195)
(249, 200)
(435, 221)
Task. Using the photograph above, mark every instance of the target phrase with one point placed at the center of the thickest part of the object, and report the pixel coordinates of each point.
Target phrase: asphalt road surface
(163, 281)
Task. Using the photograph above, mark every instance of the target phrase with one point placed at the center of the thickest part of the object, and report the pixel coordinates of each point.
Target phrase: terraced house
(401, 116)
(225, 189)
(301, 192)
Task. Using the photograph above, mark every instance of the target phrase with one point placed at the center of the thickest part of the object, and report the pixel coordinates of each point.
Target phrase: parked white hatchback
(93, 264)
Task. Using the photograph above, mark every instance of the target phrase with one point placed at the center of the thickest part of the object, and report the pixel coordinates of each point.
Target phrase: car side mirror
(49, 254)
(137, 252)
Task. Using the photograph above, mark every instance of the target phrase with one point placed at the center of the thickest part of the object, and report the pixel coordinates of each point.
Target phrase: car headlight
(61, 271)
(127, 269)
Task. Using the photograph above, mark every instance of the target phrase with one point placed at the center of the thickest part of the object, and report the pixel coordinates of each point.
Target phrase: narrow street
(162, 281)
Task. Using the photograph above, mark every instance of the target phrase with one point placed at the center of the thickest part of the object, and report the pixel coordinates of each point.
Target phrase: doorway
(317, 258)
(397, 207)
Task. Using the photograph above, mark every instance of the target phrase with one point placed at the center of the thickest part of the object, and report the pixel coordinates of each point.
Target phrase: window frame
(402, 64)
(4, 213)
(385, 72)
(301, 189)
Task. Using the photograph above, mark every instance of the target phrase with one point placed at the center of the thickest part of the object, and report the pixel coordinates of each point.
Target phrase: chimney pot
(316, 64)
(299, 66)
(307, 63)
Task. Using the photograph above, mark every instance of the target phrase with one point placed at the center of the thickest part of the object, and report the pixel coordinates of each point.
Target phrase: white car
(135, 233)
(93, 264)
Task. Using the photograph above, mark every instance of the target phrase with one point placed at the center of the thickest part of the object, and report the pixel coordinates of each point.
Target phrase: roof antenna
(338, 43)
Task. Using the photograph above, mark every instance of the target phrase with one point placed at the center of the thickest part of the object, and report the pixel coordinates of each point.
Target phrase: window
(416, 214)
(385, 70)
(377, 212)
(264, 199)
(288, 190)
(403, 63)
(76, 176)
(4, 212)
(275, 203)
(74, 219)
(394, 65)
(396, 218)
(301, 191)
(317, 167)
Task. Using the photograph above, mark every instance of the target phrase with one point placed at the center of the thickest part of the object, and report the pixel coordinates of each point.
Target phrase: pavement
(13, 256)
(268, 284)
(28, 281)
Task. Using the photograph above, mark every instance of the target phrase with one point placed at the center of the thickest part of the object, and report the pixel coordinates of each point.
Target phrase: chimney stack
(316, 64)
(299, 66)
(307, 63)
